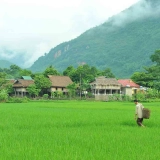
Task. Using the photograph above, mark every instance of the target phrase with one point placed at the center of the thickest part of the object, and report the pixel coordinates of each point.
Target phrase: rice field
(77, 130)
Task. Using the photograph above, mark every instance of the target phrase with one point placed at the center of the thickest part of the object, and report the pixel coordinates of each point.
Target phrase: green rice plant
(77, 130)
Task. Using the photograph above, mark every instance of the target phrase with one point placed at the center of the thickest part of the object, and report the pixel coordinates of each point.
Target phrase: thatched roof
(128, 83)
(22, 83)
(105, 81)
(60, 81)
(11, 81)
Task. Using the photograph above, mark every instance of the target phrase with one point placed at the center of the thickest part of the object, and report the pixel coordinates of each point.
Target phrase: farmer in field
(138, 113)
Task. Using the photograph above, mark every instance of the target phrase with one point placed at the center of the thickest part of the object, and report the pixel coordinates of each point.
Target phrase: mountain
(14, 56)
(123, 43)
(5, 64)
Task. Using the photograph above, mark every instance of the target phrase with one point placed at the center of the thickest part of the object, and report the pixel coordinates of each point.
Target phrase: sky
(30, 28)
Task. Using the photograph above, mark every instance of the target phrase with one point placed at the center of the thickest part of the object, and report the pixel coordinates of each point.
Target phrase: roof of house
(26, 77)
(128, 83)
(23, 83)
(11, 81)
(60, 81)
(105, 81)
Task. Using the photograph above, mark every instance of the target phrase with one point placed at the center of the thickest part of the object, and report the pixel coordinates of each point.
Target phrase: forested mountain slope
(124, 43)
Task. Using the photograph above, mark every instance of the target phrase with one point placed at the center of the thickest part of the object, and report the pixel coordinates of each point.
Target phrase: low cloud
(24, 55)
(143, 9)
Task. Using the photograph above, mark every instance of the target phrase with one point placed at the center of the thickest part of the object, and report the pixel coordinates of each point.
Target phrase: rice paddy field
(77, 130)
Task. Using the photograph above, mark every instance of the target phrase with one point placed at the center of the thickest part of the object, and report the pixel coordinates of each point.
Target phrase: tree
(156, 57)
(50, 71)
(143, 79)
(70, 71)
(25, 72)
(3, 90)
(94, 71)
(33, 90)
(5, 84)
(42, 83)
(2, 79)
(15, 71)
(107, 73)
(83, 73)
(151, 76)
(72, 89)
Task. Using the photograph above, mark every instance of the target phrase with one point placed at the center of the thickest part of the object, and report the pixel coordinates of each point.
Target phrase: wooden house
(59, 83)
(102, 87)
(21, 85)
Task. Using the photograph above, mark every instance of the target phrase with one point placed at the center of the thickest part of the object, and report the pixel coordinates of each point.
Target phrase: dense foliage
(84, 72)
(151, 76)
(81, 76)
(15, 72)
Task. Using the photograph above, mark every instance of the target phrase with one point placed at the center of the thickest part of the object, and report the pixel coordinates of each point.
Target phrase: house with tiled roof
(59, 83)
(128, 87)
(102, 87)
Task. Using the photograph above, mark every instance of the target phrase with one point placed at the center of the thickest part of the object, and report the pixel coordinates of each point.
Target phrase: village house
(102, 87)
(128, 87)
(59, 83)
(20, 86)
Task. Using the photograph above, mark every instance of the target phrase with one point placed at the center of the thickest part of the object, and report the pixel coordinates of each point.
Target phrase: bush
(152, 93)
(140, 96)
(119, 97)
(3, 95)
(45, 96)
(126, 98)
(18, 100)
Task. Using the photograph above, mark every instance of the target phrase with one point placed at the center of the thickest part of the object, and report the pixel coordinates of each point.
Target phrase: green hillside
(123, 48)
(5, 64)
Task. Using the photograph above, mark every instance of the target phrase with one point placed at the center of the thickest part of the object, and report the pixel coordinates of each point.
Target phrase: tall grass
(77, 130)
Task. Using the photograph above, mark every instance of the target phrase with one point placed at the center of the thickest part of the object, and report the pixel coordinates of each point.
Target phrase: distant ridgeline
(123, 43)
(5, 64)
